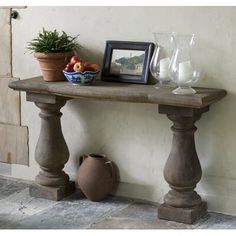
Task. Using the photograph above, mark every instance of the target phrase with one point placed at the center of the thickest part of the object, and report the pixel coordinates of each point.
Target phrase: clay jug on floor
(96, 176)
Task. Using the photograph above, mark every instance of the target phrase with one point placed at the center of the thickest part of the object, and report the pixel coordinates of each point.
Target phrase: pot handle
(82, 158)
(112, 170)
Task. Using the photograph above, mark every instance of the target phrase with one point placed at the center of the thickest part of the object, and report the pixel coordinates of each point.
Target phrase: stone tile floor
(18, 210)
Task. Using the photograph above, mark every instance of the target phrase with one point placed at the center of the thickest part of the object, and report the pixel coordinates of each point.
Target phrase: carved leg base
(182, 170)
(51, 152)
(52, 193)
(183, 215)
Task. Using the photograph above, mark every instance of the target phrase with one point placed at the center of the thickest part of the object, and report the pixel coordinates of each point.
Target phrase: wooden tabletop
(124, 92)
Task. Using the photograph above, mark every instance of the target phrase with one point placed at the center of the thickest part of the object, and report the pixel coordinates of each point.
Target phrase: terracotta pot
(52, 64)
(96, 176)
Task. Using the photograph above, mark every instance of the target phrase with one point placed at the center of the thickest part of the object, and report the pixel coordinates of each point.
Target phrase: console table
(182, 170)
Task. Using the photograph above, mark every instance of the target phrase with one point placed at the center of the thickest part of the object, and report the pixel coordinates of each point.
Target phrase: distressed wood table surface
(182, 170)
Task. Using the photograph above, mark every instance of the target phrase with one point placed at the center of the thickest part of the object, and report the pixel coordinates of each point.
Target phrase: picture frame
(127, 61)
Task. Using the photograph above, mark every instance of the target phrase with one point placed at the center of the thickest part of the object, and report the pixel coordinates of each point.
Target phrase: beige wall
(14, 145)
(5, 46)
(135, 136)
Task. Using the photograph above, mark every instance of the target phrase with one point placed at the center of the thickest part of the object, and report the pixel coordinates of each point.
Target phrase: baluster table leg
(182, 170)
(51, 151)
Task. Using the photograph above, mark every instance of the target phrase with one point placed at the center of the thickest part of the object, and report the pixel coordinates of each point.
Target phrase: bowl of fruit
(80, 72)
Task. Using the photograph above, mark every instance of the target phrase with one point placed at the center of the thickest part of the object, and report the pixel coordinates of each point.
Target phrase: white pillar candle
(185, 71)
(164, 66)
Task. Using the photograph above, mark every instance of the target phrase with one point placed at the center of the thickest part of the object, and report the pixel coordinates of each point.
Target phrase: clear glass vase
(182, 69)
(161, 57)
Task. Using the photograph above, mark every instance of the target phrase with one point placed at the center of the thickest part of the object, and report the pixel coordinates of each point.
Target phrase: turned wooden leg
(51, 151)
(182, 170)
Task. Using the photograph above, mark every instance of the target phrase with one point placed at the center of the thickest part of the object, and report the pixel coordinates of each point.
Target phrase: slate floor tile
(18, 210)
(73, 213)
(138, 216)
(10, 213)
(29, 205)
(217, 221)
(9, 187)
(20, 205)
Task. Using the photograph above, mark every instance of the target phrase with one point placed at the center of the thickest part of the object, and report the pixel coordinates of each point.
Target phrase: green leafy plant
(53, 42)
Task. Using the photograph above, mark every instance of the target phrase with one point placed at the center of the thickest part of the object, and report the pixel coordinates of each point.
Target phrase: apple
(69, 67)
(87, 63)
(95, 66)
(74, 59)
(88, 66)
(91, 66)
(79, 66)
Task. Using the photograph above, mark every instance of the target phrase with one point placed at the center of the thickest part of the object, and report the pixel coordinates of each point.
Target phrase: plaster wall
(5, 47)
(135, 136)
(13, 147)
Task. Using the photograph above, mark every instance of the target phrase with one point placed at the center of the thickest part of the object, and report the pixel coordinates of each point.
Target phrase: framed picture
(126, 61)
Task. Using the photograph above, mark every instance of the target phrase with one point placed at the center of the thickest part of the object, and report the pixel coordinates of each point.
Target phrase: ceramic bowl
(81, 78)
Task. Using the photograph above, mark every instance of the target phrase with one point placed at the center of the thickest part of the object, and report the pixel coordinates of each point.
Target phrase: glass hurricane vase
(182, 69)
(160, 61)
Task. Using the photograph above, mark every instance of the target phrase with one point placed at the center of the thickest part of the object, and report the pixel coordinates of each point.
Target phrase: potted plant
(53, 51)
